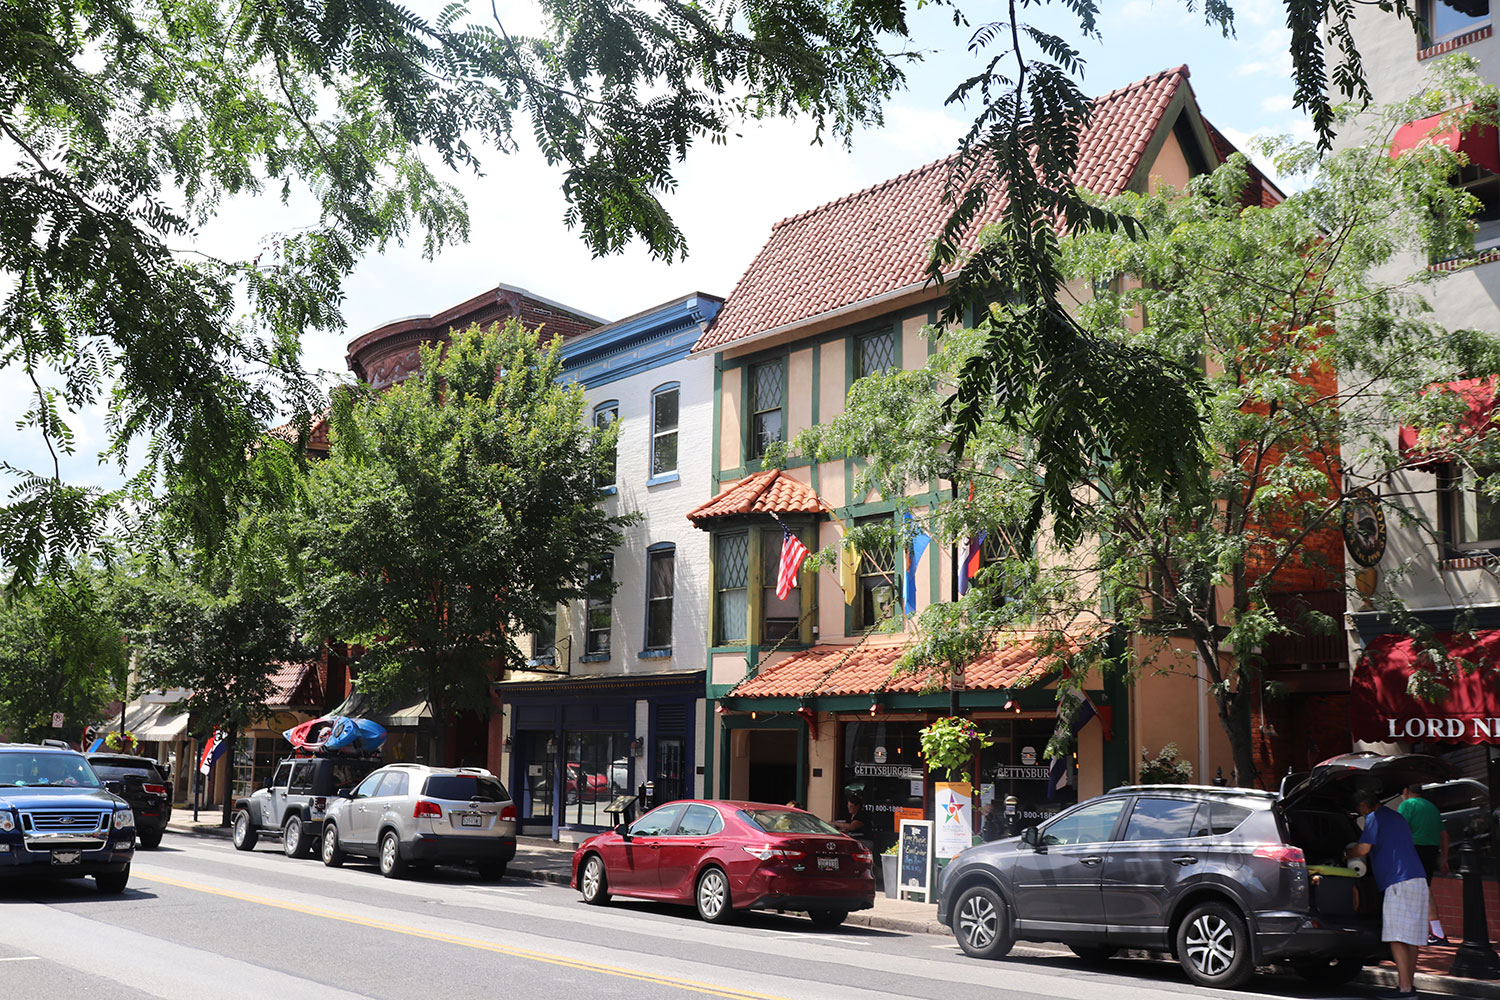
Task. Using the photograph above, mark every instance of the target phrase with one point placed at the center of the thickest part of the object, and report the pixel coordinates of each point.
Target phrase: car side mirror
(1032, 837)
(117, 787)
(623, 830)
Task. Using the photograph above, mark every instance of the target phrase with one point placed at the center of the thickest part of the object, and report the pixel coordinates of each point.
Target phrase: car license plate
(828, 864)
(65, 857)
(470, 819)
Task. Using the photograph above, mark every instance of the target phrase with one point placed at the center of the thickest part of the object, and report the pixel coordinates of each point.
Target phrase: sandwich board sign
(914, 859)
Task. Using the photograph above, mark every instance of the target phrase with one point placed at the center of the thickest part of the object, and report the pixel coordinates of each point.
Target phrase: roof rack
(1234, 790)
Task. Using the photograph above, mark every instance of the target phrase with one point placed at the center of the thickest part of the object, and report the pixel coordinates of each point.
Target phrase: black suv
(293, 805)
(1225, 879)
(141, 782)
(58, 821)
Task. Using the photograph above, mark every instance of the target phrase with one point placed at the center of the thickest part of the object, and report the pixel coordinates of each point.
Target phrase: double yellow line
(528, 954)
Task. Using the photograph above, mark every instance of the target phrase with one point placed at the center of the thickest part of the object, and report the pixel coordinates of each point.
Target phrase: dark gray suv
(1225, 879)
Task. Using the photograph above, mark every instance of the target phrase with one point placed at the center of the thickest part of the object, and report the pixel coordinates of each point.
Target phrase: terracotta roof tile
(877, 240)
(287, 684)
(768, 492)
(831, 670)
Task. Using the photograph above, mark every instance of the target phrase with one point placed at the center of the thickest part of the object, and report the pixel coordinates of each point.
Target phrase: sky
(728, 197)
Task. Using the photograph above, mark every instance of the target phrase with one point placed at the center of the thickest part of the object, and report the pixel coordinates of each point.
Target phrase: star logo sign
(953, 809)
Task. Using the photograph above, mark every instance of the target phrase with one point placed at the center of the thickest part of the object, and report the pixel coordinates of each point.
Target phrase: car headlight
(7, 822)
(124, 818)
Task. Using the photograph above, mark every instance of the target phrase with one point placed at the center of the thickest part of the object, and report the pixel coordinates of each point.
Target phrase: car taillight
(154, 789)
(1284, 853)
(766, 852)
(508, 812)
(864, 857)
(427, 809)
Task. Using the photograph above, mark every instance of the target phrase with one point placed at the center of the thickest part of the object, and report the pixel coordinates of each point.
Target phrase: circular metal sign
(1364, 527)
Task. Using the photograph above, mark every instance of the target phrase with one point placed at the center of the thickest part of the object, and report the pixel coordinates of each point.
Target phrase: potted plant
(890, 863)
(121, 742)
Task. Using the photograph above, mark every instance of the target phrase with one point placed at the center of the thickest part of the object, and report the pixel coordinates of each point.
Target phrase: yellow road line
(523, 953)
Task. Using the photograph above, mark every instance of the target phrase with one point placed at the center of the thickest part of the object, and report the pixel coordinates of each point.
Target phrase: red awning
(1478, 395)
(1381, 710)
(1479, 144)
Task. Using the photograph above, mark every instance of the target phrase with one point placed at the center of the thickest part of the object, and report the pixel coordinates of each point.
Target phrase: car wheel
(492, 871)
(981, 923)
(245, 833)
(392, 865)
(713, 896)
(1094, 954)
(113, 883)
(333, 854)
(1329, 971)
(294, 837)
(151, 841)
(592, 881)
(1213, 945)
(827, 918)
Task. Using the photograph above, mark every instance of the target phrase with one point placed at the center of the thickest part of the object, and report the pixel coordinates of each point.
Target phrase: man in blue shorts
(1402, 880)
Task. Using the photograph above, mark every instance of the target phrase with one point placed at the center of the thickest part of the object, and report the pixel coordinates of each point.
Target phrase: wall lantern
(552, 744)
(507, 744)
(637, 747)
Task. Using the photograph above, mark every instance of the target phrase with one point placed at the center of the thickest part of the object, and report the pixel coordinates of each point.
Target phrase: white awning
(166, 727)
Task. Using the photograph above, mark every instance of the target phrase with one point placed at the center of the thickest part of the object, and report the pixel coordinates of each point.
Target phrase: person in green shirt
(1431, 841)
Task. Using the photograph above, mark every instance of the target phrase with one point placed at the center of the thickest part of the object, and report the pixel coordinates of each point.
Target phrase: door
(389, 796)
(634, 867)
(359, 825)
(680, 852)
(275, 803)
(1057, 885)
(1164, 842)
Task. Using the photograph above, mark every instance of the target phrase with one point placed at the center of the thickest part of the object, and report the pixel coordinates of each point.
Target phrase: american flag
(792, 554)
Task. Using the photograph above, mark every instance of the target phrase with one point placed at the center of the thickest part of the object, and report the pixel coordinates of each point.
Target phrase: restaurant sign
(1450, 729)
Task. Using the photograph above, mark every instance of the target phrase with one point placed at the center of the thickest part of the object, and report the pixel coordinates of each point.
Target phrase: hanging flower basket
(118, 742)
(949, 744)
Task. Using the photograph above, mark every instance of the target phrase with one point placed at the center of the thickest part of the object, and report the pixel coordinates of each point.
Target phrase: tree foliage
(1304, 332)
(454, 513)
(127, 126)
(61, 650)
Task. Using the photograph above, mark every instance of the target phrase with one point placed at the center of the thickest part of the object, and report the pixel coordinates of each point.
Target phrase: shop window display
(883, 766)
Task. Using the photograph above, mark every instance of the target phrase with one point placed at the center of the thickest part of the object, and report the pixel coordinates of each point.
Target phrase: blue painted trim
(656, 654)
(594, 658)
(609, 491)
(631, 346)
(670, 477)
(661, 546)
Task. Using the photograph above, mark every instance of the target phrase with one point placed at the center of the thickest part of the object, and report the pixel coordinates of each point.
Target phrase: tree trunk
(228, 759)
(438, 744)
(1234, 716)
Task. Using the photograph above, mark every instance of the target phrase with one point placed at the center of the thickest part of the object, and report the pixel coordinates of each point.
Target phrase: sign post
(915, 859)
(57, 720)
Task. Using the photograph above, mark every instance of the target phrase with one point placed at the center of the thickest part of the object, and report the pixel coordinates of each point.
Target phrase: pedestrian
(1399, 875)
(860, 827)
(992, 827)
(1431, 840)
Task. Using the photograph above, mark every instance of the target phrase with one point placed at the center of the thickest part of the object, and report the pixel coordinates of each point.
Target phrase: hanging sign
(1363, 525)
(954, 819)
(915, 859)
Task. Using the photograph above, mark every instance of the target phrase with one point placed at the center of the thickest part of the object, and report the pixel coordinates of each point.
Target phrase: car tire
(1329, 971)
(711, 894)
(151, 841)
(491, 871)
(392, 864)
(294, 839)
(333, 854)
(1094, 954)
(1213, 946)
(828, 918)
(112, 883)
(593, 882)
(981, 922)
(245, 833)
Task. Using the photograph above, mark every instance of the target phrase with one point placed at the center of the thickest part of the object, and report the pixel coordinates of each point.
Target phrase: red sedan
(729, 856)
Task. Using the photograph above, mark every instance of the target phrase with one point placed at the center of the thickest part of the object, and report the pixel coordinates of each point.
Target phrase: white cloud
(1276, 103)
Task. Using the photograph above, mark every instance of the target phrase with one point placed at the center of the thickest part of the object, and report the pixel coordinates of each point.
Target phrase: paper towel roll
(1360, 867)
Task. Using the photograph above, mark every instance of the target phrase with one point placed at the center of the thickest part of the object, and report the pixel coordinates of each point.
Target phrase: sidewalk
(541, 860)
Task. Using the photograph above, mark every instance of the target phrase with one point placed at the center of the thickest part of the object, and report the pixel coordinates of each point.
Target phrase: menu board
(915, 859)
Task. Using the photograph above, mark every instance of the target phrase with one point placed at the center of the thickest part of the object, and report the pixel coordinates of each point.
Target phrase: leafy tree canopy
(127, 125)
(454, 513)
(1304, 332)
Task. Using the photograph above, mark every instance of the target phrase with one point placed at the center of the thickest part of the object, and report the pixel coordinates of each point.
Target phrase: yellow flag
(848, 564)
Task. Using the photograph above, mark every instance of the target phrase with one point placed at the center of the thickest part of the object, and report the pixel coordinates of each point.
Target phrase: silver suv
(412, 815)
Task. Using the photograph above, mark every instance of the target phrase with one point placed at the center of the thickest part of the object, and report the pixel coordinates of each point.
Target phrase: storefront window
(597, 764)
(883, 766)
(1015, 766)
(534, 788)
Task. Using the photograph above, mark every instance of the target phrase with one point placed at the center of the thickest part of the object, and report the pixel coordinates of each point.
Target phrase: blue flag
(919, 544)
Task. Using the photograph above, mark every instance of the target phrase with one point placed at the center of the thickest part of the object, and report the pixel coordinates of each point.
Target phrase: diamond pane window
(731, 580)
(877, 353)
(765, 407)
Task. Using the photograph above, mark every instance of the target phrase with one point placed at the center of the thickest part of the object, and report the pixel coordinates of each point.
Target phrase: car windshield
(346, 773)
(114, 772)
(23, 768)
(466, 788)
(789, 821)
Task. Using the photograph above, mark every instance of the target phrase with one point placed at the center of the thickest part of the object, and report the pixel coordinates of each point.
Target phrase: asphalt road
(201, 921)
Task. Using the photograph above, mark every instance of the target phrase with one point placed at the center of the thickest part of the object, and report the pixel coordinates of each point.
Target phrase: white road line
(22, 958)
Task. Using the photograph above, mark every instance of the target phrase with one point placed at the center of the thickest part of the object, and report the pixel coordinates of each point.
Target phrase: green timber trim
(718, 423)
(782, 722)
(1167, 125)
(816, 416)
(1037, 699)
(807, 586)
(932, 318)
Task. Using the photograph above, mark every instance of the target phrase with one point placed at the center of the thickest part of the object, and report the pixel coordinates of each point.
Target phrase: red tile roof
(830, 670)
(768, 492)
(876, 241)
(288, 684)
